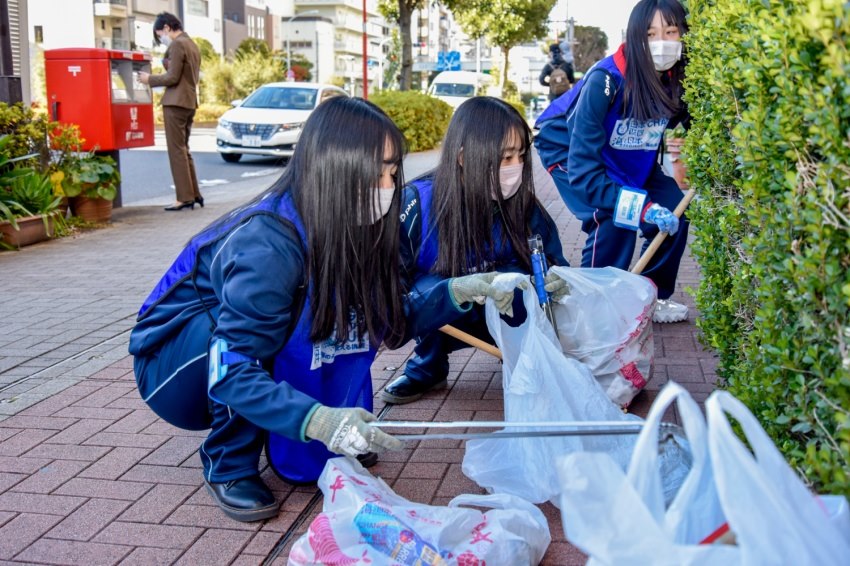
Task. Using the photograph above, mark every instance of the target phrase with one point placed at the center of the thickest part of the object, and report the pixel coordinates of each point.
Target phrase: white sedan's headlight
(291, 126)
(224, 123)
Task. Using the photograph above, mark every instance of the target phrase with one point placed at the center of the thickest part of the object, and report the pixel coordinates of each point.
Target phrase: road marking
(261, 173)
(210, 182)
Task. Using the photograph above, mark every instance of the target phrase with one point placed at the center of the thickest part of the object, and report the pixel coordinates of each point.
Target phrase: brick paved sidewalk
(89, 475)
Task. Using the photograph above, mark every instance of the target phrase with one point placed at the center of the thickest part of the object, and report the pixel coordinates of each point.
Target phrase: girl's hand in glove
(478, 287)
(661, 217)
(346, 431)
(556, 287)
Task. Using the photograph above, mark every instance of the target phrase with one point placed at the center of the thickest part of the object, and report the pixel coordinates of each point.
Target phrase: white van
(454, 87)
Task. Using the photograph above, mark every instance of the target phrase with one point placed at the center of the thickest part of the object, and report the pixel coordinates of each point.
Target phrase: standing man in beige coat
(182, 64)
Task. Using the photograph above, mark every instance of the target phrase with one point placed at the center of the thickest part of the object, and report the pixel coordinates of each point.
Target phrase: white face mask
(381, 203)
(510, 178)
(165, 39)
(665, 53)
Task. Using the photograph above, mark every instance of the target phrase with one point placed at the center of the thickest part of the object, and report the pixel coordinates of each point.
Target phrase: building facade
(346, 17)
(328, 33)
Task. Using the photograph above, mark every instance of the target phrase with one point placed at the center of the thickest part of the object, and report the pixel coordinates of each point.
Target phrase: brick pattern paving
(89, 475)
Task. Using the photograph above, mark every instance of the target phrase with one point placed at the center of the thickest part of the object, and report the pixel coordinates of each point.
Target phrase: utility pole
(365, 57)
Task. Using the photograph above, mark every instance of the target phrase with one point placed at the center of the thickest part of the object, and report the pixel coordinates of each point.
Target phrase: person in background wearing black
(557, 74)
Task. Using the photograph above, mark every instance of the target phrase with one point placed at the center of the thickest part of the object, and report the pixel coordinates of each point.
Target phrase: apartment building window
(256, 26)
(198, 8)
(39, 34)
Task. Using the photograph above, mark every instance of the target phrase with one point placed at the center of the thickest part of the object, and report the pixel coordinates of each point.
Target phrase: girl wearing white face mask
(265, 327)
(601, 141)
(472, 215)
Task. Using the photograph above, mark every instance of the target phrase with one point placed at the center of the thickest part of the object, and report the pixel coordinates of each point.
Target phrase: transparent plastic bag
(629, 518)
(606, 323)
(540, 384)
(773, 515)
(773, 518)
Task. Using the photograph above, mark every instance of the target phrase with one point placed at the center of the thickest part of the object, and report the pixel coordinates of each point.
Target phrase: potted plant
(29, 210)
(673, 141)
(90, 181)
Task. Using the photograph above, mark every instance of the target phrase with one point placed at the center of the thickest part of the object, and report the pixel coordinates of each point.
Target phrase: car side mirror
(236, 102)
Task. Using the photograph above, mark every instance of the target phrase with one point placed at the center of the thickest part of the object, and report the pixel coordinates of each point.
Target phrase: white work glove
(555, 286)
(661, 217)
(345, 431)
(478, 287)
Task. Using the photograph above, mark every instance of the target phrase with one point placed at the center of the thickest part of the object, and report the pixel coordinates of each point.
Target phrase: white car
(456, 87)
(269, 121)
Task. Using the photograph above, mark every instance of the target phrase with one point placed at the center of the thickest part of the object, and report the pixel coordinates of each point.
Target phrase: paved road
(147, 178)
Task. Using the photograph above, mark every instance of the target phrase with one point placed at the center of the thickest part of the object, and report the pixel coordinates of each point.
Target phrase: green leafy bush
(769, 90)
(27, 131)
(90, 175)
(422, 119)
(210, 113)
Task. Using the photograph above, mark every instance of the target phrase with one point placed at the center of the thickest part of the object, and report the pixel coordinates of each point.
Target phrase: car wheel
(231, 157)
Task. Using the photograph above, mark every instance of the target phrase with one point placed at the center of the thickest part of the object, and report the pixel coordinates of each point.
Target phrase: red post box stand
(99, 91)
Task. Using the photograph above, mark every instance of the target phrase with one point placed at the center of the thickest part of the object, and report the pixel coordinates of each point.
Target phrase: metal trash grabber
(521, 429)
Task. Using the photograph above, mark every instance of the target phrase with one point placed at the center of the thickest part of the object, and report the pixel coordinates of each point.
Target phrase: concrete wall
(72, 26)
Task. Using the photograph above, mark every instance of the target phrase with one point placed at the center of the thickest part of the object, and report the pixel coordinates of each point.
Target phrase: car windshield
(282, 98)
(454, 89)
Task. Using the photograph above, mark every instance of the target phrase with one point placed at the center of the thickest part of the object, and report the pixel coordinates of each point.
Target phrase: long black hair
(646, 95)
(353, 268)
(465, 181)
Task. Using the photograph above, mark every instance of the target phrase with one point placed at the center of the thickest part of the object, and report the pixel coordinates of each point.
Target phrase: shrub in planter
(29, 210)
(422, 119)
(90, 182)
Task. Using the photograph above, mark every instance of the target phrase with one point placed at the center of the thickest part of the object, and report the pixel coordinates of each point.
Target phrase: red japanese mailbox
(99, 90)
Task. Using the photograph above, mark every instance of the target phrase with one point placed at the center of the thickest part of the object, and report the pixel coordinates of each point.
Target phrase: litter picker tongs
(539, 268)
(513, 429)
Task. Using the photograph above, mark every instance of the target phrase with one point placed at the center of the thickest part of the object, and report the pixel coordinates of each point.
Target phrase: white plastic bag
(774, 516)
(540, 384)
(619, 518)
(364, 522)
(606, 323)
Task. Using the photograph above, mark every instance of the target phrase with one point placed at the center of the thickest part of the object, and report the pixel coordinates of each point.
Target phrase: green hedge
(423, 119)
(769, 90)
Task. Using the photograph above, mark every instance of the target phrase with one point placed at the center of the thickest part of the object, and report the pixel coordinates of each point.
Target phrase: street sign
(448, 61)
(453, 60)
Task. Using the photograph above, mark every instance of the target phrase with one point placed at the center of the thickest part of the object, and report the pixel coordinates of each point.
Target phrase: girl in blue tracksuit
(269, 319)
(473, 213)
(600, 141)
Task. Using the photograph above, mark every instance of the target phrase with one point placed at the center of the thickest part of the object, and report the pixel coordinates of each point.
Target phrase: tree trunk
(404, 13)
(505, 51)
